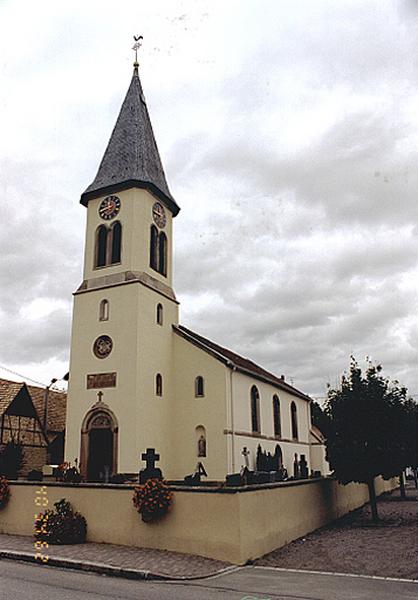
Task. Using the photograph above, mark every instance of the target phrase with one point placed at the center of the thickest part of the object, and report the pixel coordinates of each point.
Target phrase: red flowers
(152, 500)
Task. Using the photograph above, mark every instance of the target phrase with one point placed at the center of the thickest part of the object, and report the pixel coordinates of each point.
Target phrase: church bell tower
(121, 346)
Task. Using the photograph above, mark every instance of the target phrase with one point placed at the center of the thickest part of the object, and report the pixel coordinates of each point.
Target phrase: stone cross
(245, 452)
(100, 396)
(150, 458)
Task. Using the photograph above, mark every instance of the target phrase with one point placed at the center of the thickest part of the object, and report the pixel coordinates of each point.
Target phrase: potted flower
(61, 526)
(152, 500)
(67, 473)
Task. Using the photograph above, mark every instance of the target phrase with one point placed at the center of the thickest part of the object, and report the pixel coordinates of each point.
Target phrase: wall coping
(177, 488)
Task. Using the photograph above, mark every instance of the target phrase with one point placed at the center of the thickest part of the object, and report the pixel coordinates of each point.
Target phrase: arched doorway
(100, 456)
(99, 444)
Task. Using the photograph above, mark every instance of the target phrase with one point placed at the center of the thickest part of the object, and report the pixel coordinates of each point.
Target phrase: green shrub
(61, 526)
(11, 460)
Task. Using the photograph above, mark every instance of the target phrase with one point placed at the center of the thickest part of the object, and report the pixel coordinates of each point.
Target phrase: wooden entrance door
(100, 453)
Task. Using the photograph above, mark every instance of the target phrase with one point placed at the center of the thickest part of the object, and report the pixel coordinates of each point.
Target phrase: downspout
(232, 368)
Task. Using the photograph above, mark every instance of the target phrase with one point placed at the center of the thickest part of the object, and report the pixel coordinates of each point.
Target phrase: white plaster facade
(143, 348)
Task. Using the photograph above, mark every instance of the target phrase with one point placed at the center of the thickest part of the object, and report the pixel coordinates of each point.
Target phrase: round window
(102, 347)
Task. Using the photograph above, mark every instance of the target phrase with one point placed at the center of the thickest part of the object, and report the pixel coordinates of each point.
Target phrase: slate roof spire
(131, 158)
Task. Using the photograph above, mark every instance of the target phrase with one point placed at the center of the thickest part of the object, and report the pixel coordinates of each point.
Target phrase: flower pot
(147, 517)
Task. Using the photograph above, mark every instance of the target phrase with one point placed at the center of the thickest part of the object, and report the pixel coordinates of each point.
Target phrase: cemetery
(234, 521)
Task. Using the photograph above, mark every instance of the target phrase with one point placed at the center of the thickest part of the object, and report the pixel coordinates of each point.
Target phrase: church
(138, 378)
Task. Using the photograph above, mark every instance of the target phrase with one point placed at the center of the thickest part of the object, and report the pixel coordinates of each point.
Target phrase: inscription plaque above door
(101, 380)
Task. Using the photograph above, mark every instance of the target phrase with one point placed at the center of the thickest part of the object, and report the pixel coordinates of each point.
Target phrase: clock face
(102, 347)
(109, 207)
(158, 214)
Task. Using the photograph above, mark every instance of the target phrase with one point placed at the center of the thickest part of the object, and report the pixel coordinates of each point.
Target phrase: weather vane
(138, 43)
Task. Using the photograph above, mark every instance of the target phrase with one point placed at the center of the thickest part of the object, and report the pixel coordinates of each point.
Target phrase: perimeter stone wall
(227, 524)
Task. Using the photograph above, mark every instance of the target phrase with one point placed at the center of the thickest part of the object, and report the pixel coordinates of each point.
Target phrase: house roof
(317, 434)
(8, 391)
(131, 158)
(57, 407)
(235, 361)
(57, 402)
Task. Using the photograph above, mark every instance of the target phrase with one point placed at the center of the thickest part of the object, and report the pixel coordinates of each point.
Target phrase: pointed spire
(131, 158)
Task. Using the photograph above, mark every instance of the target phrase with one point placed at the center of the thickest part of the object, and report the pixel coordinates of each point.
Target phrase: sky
(288, 130)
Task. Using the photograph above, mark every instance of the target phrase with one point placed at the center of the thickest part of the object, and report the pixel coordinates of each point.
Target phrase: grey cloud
(36, 340)
(40, 259)
(293, 256)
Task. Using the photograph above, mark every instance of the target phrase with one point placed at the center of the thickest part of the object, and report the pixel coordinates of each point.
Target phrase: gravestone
(195, 478)
(303, 467)
(233, 479)
(150, 471)
(258, 477)
(278, 458)
(262, 477)
(296, 472)
(281, 474)
(246, 453)
(244, 477)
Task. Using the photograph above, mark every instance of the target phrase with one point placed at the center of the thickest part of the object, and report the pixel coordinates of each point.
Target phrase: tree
(320, 418)
(409, 439)
(365, 436)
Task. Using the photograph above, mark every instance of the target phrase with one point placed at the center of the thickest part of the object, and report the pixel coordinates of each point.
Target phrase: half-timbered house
(23, 409)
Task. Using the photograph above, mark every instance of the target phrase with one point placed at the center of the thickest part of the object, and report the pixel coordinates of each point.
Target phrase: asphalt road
(34, 582)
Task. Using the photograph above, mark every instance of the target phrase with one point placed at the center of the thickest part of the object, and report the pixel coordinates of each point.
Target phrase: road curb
(103, 569)
(337, 574)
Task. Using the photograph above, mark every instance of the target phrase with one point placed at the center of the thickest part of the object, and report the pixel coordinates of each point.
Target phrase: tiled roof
(8, 391)
(131, 158)
(57, 402)
(231, 359)
(317, 434)
(57, 406)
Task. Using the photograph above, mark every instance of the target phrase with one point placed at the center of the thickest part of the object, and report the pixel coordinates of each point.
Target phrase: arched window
(276, 416)
(255, 410)
(104, 310)
(199, 386)
(153, 251)
(101, 246)
(159, 314)
(201, 441)
(162, 254)
(158, 385)
(294, 420)
(116, 242)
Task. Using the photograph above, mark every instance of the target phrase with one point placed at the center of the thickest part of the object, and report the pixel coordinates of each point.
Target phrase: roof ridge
(30, 385)
(242, 363)
(11, 381)
(197, 335)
